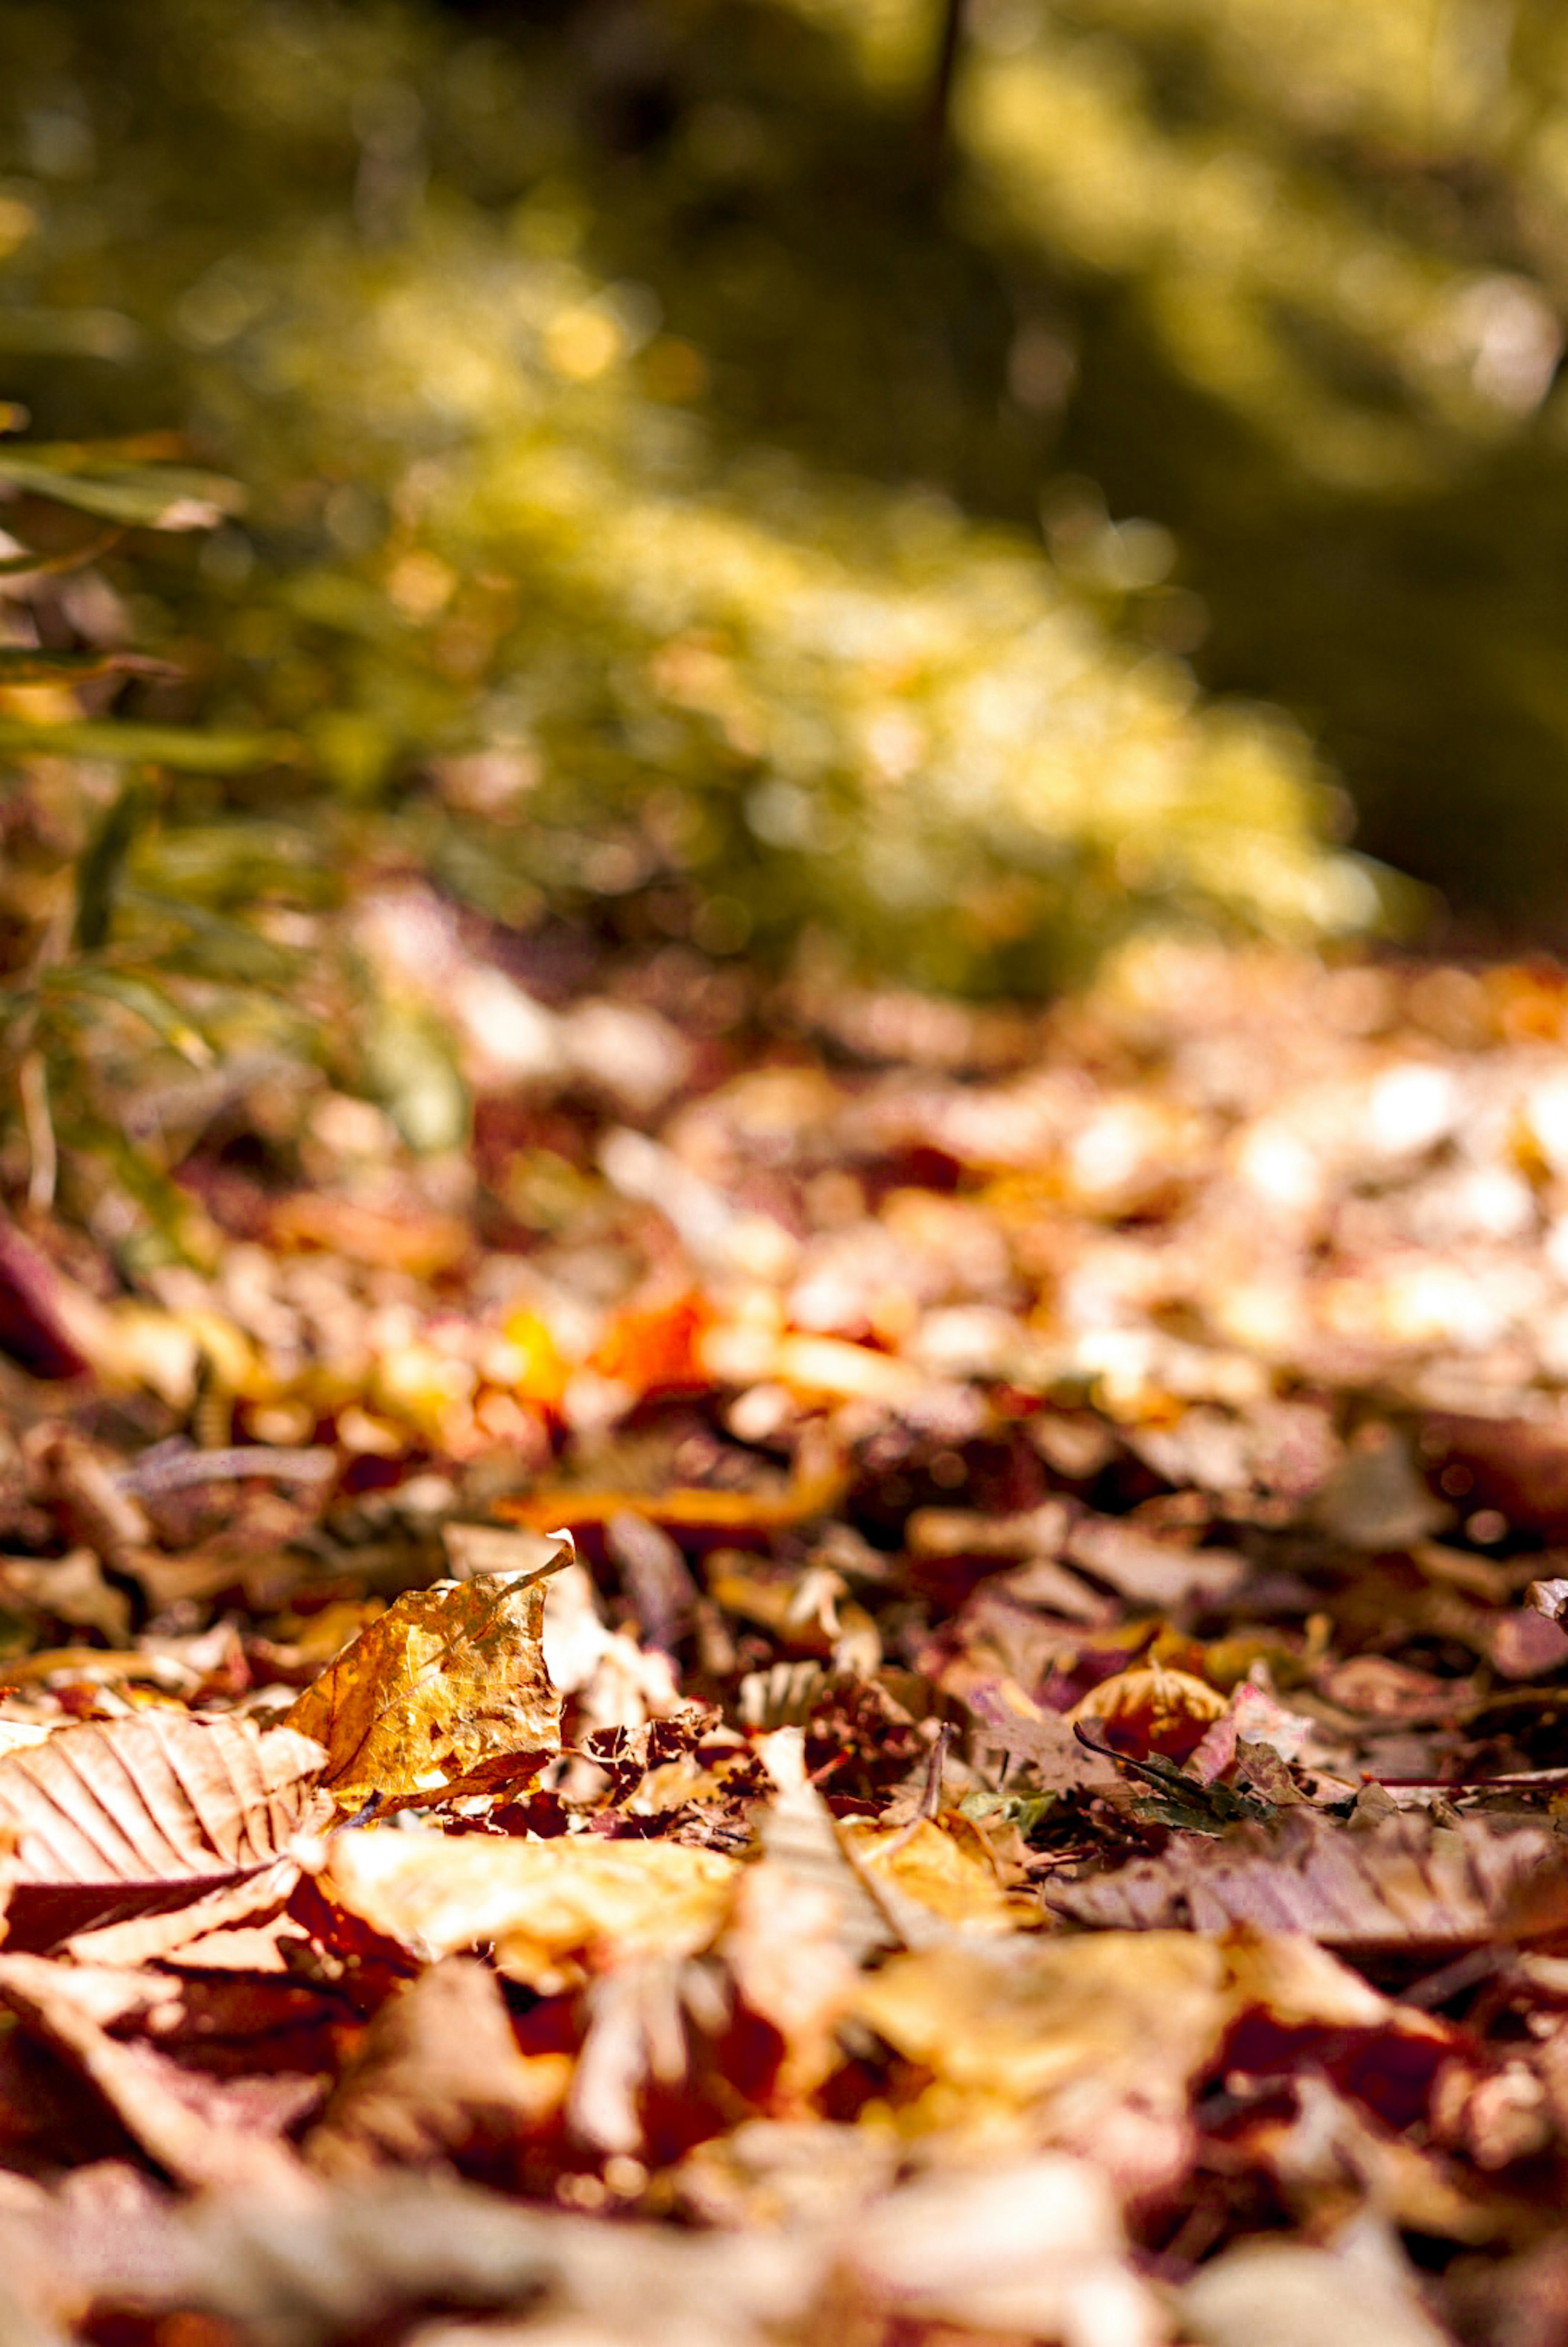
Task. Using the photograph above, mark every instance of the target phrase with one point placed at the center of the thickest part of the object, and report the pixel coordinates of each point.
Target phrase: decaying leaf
(552, 1909)
(1405, 1886)
(447, 1679)
(119, 1818)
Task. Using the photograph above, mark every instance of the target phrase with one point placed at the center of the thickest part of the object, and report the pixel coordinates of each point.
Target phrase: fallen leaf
(202, 2130)
(1086, 2044)
(944, 1871)
(1404, 1885)
(438, 2072)
(553, 1911)
(119, 1818)
(1033, 2248)
(447, 1679)
(1152, 1709)
(1078, 2044)
(1149, 1572)
(1287, 2294)
(818, 1484)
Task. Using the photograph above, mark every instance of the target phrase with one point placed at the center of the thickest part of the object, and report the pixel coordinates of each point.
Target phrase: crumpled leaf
(1405, 1885)
(447, 1679)
(119, 1818)
(552, 1909)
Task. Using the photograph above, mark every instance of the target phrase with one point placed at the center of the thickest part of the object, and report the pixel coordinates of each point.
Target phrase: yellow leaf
(953, 1877)
(553, 1911)
(447, 1679)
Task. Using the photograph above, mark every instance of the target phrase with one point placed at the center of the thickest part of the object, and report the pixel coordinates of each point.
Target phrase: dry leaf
(123, 1816)
(204, 2131)
(553, 1911)
(447, 1679)
(146, 1938)
(944, 1869)
(1035, 2250)
(1149, 1572)
(1404, 1885)
(1287, 2294)
(439, 2070)
(1152, 1709)
(1086, 2044)
(1092, 2043)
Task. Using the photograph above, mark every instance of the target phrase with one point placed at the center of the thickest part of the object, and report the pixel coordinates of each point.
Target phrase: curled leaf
(446, 1680)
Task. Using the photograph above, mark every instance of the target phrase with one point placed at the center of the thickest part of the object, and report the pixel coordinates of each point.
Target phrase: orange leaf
(656, 1351)
(445, 1680)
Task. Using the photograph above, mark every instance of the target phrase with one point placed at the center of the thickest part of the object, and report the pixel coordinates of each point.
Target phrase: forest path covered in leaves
(912, 1650)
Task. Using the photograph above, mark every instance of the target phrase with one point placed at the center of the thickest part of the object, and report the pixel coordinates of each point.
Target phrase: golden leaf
(446, 1680)
(552, 1909)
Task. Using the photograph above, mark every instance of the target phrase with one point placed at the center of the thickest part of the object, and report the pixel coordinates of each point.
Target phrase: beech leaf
(124, 1816)
(1405, 1886)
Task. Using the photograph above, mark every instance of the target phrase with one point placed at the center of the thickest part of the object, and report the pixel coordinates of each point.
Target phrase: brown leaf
(1149, 1572)
(818, 1483)
(202, 2130)
(445, 1680)
(143, 1938)
(439, 2069)
(124, 1816)
(1405, 1885)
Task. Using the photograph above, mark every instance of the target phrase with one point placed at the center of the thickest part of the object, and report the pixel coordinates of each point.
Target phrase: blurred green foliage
(673, 507)
(532, 570)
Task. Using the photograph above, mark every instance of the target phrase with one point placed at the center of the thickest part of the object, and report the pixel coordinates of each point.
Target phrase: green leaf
(101, 863)
(142, 996)
(146, 497)
(24, 664)
(188, 748)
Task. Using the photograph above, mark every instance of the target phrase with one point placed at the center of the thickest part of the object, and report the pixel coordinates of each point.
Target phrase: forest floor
(882, 1672)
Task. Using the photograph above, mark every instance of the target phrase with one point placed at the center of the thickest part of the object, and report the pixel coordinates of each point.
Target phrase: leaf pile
(1028, 1798)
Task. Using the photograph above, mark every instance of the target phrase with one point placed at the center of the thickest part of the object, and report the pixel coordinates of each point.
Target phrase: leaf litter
(932, 1679)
